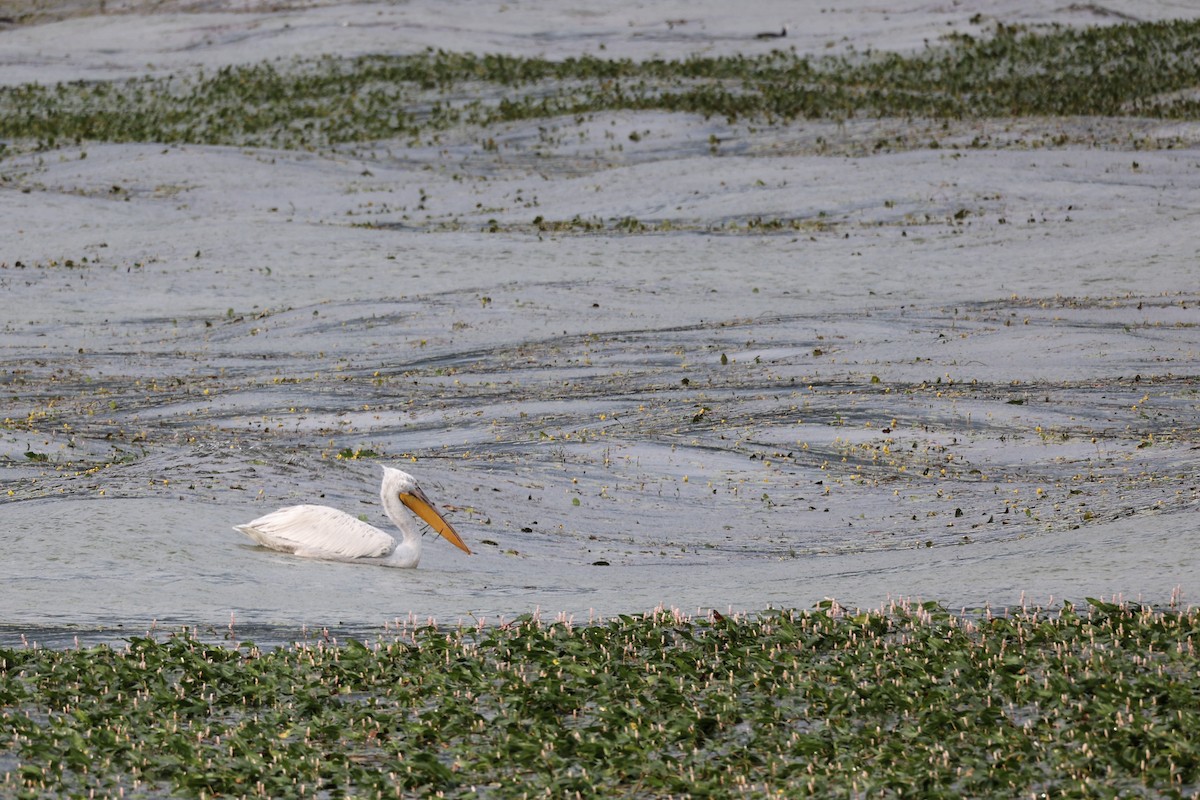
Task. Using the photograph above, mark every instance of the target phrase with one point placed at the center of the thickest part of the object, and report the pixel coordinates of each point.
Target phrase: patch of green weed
(1145, 69)
(910, 699)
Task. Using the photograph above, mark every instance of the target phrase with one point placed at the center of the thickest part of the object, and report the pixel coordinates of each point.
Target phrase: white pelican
(324, 532)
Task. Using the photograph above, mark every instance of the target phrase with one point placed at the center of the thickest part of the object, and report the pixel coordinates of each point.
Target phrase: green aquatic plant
(1143, 69)
(906, 699)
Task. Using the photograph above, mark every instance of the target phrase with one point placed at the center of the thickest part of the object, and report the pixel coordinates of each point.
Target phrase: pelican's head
(398, 484)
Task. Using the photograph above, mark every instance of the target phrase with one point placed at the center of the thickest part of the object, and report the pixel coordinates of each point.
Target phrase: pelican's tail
(250, 531)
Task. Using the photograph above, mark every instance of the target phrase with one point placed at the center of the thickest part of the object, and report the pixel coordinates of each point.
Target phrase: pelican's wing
(318, 530)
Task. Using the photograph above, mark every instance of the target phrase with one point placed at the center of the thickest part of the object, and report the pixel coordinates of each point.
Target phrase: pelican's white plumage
(324, 532)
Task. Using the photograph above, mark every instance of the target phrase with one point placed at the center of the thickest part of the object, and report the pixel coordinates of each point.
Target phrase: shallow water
(898, 402)
(591, 480)
(135, 565)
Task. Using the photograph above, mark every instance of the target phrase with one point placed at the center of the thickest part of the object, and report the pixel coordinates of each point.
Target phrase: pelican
(324, 532)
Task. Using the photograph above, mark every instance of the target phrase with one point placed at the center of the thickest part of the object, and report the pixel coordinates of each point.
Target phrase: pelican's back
(318, 531)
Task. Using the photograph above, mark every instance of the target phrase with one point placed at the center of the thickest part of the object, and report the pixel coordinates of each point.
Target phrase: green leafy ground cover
(906, 701)
(1150, 69)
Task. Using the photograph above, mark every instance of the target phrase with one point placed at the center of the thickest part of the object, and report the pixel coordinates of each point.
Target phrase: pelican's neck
(408, 550)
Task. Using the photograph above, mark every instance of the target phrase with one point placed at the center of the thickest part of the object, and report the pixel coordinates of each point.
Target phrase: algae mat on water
(908, 700)
(1130, 70)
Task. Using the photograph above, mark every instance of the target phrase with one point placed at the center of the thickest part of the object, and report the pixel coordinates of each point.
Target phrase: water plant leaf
(910, 698)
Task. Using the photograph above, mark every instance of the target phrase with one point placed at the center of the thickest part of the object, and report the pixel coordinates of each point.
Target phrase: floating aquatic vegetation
(1147, 69)
(909, 698)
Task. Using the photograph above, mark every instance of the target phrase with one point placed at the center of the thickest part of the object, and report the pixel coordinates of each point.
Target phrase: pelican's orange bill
(420, 505)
